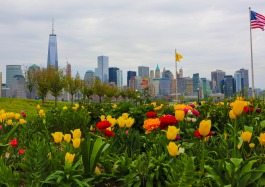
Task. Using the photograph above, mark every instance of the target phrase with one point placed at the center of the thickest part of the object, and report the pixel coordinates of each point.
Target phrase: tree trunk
(72, 99)
(30, 95)
(55, 103)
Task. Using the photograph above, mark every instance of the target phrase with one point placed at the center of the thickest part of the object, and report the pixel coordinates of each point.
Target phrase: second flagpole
(252, 71)
(176, 76)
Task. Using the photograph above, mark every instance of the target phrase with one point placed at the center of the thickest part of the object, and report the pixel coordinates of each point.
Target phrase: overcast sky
(209, 35)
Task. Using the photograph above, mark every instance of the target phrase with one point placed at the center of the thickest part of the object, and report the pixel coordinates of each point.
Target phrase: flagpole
(252, 71)
(176, 67)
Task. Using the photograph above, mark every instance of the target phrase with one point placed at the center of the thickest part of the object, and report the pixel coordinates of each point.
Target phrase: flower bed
(155, 144)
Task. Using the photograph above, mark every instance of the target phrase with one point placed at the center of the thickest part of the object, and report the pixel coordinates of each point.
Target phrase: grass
(28, 106)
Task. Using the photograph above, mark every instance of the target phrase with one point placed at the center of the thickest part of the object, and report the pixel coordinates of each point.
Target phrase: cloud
(210, 35)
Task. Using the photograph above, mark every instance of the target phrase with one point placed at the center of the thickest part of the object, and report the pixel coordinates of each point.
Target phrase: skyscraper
(143, 71)
(52, 50)
(228, 85)
(18, 88)
(196, 82)
(216, 77)
(180, 73)
(238, 82)
(102, 71)
(89, 77)
(119, 79)
(164, 86)
(157, 72)
(68, 70)
(113, 74)
(244, 76)
(206, 88)
(129, 75)
(11, 71)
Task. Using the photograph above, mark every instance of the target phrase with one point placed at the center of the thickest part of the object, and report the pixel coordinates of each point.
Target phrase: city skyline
(209, 36)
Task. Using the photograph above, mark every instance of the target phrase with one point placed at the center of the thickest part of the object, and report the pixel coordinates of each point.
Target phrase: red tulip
(103, 124)
(151, 114)
(21, 151)
(13, 142)
(108, 133)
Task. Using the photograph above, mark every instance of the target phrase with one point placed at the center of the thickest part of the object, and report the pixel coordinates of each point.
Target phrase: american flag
(257, 20)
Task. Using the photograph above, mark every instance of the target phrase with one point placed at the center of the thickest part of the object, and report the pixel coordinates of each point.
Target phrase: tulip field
(134, 145)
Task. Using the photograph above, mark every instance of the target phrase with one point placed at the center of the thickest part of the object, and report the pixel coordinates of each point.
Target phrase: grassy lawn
(28, 106)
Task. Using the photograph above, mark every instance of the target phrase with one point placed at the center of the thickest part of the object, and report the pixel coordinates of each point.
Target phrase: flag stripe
(257, 21)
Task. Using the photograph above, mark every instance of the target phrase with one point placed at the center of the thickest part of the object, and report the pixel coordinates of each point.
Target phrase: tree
(110, 92)
(31, 80)
(57, 81)
(87, 90)
(100, 89)
(72, 86)
(42, 83)
(117, 93)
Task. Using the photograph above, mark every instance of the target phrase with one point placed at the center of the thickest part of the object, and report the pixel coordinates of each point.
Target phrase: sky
(210, 35)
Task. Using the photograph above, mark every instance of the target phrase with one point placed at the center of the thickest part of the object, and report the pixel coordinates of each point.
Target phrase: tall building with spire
(157, 72)
(68, 69)
(52, 49)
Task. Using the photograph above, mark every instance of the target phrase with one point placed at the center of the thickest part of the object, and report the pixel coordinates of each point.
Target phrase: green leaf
(248, 128)
(212, 174)
(262, 124)
(96, 153)
(236, 162)
(246, 168)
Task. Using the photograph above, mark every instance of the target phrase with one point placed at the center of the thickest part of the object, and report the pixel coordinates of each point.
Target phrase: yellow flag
(178, 56)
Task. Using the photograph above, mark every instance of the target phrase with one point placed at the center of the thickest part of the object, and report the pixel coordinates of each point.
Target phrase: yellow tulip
(9, 122)
(76, 133)
(38, 107)
(3, 116)
(232, 115)
(121, 122)
(69, 157)
(238, 107)
(22, 121)
(77, 105)
(57, 136)
(172, 132)
(262, 139)
(76, 142)
(112, 121)
(246, 136)
(17, 116)
(65, 108)
(129, 122)
(67, 138)
(173, 149)
(205, 127)
(251, 145)
(114, 106)
(102, 117)
(10, 115)
(125, 115)
(179, 114)
(41, 113)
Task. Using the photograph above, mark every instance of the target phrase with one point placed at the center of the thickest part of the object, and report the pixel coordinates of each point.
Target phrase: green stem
(235, 140)
(202, 158)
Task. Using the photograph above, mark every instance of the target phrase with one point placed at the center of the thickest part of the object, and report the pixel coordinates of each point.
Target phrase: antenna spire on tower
(52, 25)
